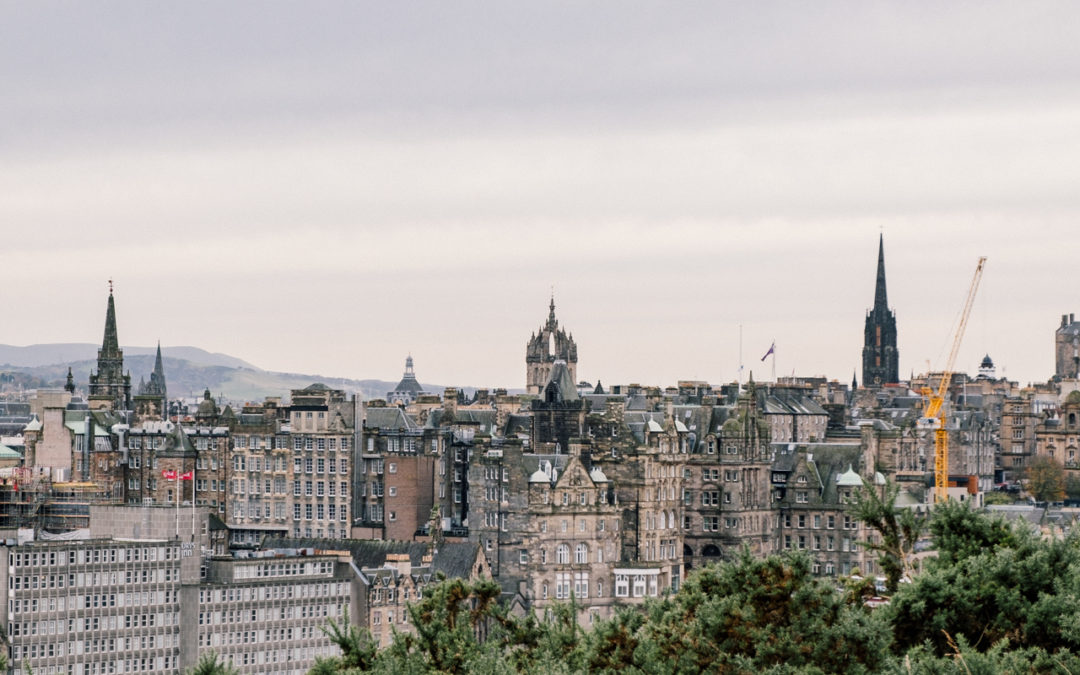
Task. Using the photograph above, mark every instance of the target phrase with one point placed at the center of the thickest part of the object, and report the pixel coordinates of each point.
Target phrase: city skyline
(415, 180)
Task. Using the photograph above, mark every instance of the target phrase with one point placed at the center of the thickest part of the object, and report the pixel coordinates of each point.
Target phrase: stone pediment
(574, 476)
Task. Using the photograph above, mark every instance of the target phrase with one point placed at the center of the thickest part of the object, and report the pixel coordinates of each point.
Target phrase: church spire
(881, 302)
(880, 356)
(159, 367)
(110, 387)
(110, 345)
(551, 310)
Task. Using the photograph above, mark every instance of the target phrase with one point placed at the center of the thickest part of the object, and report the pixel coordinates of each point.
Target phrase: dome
(849, 479)
(597, 475)
(540, 475)
(207, 407)
(879, 478)
(987, 362)
(33, 425)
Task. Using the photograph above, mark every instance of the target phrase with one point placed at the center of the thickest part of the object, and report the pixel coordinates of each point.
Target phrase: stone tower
(110, 387)
(881, 360)
(549, 345)
(1067, 348)
(152, 398)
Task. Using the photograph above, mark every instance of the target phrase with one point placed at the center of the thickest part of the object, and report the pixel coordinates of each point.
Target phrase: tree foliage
(997, 598)
(899, 530)
(991, 581)
(1046, 479)
(210, 664)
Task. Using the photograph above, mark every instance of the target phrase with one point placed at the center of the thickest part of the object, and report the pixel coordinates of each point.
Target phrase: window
(393, 467)
(562, 554)
(622, 585)
(562, 585)
(581, 554)
(581, 584)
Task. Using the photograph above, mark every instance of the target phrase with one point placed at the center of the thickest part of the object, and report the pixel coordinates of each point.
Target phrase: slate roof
(408, 384)
(389, 418)
(560, 378)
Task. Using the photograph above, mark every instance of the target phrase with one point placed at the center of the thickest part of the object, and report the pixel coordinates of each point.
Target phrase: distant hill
(32, 356)
(188, 371)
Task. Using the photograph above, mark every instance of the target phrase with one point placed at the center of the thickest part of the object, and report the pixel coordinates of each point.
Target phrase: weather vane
(110, 286)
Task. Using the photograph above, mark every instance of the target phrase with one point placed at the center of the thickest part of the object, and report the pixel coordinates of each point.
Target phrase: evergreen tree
(899, 529)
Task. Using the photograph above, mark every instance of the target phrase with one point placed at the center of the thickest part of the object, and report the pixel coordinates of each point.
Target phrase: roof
(388, 418)
(408, 384)
(560, 383)
(849, 478)
(9, 453)
(454, 559)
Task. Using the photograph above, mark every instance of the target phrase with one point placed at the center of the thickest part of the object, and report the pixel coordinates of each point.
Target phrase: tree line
(998, 597)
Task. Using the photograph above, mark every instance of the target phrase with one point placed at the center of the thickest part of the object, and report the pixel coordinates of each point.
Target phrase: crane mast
(935, 409)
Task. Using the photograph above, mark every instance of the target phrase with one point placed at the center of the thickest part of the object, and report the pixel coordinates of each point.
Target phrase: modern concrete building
(139, 591)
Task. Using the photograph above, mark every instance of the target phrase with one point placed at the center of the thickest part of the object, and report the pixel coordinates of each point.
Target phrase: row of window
(92, 556)
(801, 520)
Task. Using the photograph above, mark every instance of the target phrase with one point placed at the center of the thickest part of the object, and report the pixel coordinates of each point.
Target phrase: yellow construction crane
(935, 410)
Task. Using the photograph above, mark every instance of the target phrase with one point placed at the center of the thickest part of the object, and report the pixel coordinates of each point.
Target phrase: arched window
(581, 554)
(663, 520)
(562, 554)
(1072, 419)
(671, 519)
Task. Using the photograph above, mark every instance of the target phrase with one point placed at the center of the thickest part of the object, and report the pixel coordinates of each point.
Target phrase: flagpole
(774, 363)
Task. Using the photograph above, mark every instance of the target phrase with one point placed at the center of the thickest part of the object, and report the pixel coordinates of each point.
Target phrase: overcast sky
(326, 187)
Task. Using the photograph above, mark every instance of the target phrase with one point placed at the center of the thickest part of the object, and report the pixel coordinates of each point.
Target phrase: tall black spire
(881, 301)
(881, 359)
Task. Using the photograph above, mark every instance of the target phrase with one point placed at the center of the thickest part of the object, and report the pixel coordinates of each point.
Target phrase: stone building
(393, 574)
(813, 487)
(1067, 348)
(726, 492)
(1058, 437)
(322, 427)
(572, 544)
(1018, 422)
(254, 474)
(792, 415)
(880, 357)
(550, 344)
